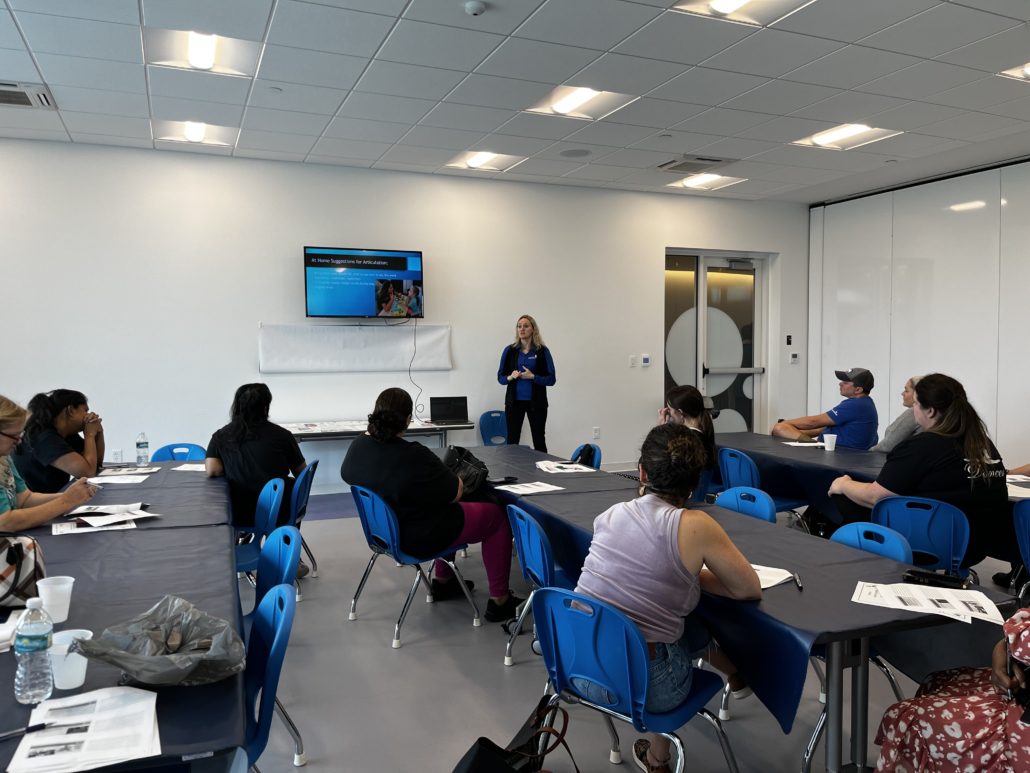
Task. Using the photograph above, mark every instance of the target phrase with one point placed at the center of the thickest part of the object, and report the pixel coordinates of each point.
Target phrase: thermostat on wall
(645, 360)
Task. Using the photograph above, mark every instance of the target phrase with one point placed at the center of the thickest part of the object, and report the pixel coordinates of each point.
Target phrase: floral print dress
(958, 722)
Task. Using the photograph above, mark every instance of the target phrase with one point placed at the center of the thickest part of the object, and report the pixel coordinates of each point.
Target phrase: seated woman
(952, 460)
(53, 451)
(964, 719)
(426, 497)
(675, 554)
(250, 451)
(686, 405)
(21, 508)
(903, 427)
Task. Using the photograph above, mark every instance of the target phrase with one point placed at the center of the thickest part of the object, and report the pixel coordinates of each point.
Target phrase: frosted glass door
(729, 353)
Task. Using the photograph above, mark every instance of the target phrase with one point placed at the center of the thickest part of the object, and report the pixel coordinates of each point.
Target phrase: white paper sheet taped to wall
(353, 348)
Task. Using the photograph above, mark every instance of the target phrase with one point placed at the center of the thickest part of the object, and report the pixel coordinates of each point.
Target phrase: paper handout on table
(549, 466)
(529, 488)
(191, 467)
(106, 520)
(129, 472)
(108, 509)
(805, 443)
(769, 576)
(961, 605)
(91, 730)
(75, 527)
(103, 480)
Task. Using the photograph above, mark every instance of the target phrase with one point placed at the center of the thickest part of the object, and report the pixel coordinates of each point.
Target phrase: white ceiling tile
(684, 38)
(432, 45)
(339, 161)
(723, 121)
(736, 147)
(407, 80)
(771, 53)
(332, 146)
(625, 74)
(600, 172)
(555, 152)
(546, 167)
(943, 28)
(756, 170)
(822, 158)
(604, 133)
(598, 24)
(913, 115)
(545, 127)
(850, 67)
(702, 86)
(284, 143)
(432, 137)
(912, 145)
(850, 21)
(305, 25)
(651, 177)
(1003, 51)
(242, 19)
(121, 11)
(448, 115)
(193, 147)
(779, 97)
(284, 121)
(656, 113)
(312, 68)
(368, 131)
(387, 7)
(1022, 128)
(983, 93)
(379, 107)
(491, 91)
(48, 135)
(112, 125)
(294, 96)
(20, 118)
(89, 73)
(268, 155)
(638, 159)
(9, 35)
(1017, 9)
(193, 84)
(921, 80)
(849, 107)
(533, 60)
(1017, 108)
(970, 126)
(787, 129)
(121, 103)
(122, 142)
(412, 154)
(82, 37)
(674, 142)
(171, 109)
(503, 18)
(17, 66)
(511, 146)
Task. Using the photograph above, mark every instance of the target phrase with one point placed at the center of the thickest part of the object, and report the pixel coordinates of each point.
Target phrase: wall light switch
(633, 360)
(793, 358)
(645, 360)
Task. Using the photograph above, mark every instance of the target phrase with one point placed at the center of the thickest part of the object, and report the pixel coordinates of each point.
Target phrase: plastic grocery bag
(173, 642)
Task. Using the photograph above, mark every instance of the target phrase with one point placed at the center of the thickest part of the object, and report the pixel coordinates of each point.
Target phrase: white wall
(911, 286)
(140, 278)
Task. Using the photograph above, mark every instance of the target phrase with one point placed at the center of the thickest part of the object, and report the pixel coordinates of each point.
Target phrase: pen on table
(22, 731)
(797, 580)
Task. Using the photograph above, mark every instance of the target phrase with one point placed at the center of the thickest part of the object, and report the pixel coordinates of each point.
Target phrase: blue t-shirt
(9, 493)
(524, 386)
(855, 423)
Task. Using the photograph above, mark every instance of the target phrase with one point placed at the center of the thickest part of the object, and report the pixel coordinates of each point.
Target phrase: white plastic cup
(829, 443)
(69, 667)
(56, 593)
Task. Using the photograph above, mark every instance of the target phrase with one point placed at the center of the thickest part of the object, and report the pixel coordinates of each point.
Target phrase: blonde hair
(11, 413)
(538, 341)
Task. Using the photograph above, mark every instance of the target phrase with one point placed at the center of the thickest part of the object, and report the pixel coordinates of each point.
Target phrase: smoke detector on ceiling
(693, 164)
(31, 95)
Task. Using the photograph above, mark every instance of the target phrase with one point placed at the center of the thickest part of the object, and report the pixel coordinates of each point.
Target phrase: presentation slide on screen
(363, 283)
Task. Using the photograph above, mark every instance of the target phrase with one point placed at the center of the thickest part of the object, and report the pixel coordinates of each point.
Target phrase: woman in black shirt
(53, 451)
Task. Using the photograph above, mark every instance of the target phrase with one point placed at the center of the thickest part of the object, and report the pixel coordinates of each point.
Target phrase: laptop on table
(447, 411)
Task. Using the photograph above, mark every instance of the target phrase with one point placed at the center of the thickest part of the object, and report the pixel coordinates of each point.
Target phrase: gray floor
(363, 706)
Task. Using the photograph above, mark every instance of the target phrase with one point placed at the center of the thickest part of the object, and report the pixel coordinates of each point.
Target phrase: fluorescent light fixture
(966, 206)
(477, 160)
(727, 6)
(847, 137)
(201, 54)
(759, 13)
(581, 102)
(707, 181)
(573, 100)
(484, 161)
(194, 131)
(1020, 72)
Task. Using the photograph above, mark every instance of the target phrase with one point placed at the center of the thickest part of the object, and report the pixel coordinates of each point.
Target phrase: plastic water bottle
(142, 450)
(33, 681)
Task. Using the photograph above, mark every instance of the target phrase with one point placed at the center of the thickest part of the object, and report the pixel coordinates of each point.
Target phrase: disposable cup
(829, 442)
(69, 667)
(56, 593)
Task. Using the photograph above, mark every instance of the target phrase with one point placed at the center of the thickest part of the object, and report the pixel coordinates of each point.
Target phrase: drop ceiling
(412, 84)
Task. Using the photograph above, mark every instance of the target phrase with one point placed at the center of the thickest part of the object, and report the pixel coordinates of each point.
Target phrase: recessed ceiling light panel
(1020, 73)
(582, 102)
(708, 181)
(196, 51)
(967, 206)
(194, 133)
(846, 137)
(757, 12)
(484, 161)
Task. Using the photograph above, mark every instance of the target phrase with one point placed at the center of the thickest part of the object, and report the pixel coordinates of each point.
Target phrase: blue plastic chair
(265, 514)
(379, 523)
(1021, 519)
(739, 469)
(589, 639)
(748, 501)
(179, 452)
(537, 561)
(596, 463)
(937, 532)
(266, 648)
(299, 508)
(875, 538)
(493, 428)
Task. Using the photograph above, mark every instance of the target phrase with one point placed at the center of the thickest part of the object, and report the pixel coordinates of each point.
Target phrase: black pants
(515, 413)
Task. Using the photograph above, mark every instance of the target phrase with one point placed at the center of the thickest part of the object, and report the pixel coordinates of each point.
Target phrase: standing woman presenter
(527, 370)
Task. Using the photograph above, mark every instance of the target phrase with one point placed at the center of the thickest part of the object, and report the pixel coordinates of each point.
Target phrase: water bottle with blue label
(33, 681)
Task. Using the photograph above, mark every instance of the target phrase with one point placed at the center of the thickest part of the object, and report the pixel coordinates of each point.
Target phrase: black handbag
(526, 751)
(466, 466)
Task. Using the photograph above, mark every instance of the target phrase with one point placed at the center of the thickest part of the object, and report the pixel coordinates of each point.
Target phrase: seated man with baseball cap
(853, 421)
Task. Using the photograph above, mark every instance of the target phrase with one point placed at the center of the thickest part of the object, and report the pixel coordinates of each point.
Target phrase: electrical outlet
(645, 360)
(597, 433)
(116, 455)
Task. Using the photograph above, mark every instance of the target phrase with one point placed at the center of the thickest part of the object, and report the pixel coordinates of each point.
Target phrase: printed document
(191, 467)
(530, 488)
(126, 472)
(108, 509)
(549, 466)
(958, 604)
(103, 480)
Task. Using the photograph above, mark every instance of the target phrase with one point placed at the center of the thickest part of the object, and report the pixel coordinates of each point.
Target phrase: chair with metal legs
(299, 508)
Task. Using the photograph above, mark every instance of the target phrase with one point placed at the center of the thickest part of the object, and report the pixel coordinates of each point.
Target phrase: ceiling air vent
(693, 164)
(33, 95)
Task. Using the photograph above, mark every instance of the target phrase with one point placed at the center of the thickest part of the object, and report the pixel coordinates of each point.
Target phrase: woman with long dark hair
(686, 405)
(426, 497)
(526, 370)
(250, 451)
(53, 450)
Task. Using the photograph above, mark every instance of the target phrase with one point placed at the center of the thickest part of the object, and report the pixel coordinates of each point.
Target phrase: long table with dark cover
(787, 622)
(119, 574)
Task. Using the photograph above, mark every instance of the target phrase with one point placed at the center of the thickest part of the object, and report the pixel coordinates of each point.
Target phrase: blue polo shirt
(854, 423)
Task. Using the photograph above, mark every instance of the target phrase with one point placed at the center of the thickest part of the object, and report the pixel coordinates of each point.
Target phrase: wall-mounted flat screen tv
(345, 282)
